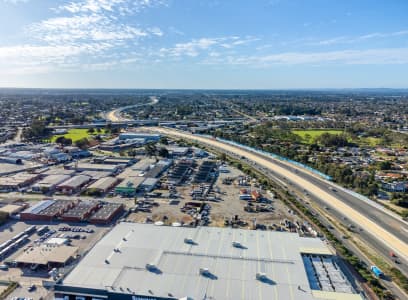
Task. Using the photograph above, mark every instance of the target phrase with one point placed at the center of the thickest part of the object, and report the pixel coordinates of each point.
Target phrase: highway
(382, 231)
(115, 115)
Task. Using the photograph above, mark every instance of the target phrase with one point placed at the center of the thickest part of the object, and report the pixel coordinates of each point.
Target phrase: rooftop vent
(189, 241)
(151, 267)
(261, 276)
(237, 244)
(205, 272)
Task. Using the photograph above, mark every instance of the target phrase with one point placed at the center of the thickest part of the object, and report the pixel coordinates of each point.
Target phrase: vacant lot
(308, 136)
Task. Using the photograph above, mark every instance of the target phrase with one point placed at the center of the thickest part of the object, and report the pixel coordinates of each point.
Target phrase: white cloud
(348, 57)
(96, 6)
(355, 39)
(196, 47)
(93, 27)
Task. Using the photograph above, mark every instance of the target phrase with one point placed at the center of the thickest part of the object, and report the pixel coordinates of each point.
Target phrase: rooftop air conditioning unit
(236, 244)
(204, 271)
(151, 267)
(189, 241)
(261, 276)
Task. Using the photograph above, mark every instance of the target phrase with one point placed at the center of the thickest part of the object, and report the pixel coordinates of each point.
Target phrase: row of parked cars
(76, 229)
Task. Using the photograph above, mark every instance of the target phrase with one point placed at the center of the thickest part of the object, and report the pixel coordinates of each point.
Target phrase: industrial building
(158, 169)
(17, 181)
(129, 186)
(73, 184)
(112, 160)
(49, 183)
(107, 213)
(149, 184)
(47, 255)
(148, 137)
(84, 166)
(102, 185)
(175, 151)
(144, 261)
(80, 212)
(12, 209)
(46, 210)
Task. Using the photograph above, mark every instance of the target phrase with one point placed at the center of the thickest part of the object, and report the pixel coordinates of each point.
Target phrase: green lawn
(76, 134)
(308, 136)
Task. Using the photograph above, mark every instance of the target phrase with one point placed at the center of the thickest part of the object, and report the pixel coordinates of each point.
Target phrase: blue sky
(254, 44)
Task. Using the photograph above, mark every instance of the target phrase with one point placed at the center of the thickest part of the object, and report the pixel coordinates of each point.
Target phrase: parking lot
(83, 236)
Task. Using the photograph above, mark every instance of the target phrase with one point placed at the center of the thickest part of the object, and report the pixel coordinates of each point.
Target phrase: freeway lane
(392, 224)
(115, 115)
(385, 235)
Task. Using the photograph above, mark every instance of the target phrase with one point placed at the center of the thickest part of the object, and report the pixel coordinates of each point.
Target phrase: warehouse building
(149, 184)
(84, 166)
(46, 210)
(74, 184)
(107, 213)
(144, 261)
(49, 183)
(112, 160)
(148, 137)
(47, 256)
(158, 169)
(175, 151)
(17, 181)
(95, 175)
(129, 186)
(12, 209)
(102, 186)
(80, 212)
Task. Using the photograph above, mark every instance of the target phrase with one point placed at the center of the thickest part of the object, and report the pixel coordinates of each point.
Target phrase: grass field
(308, 136)
(76, 134)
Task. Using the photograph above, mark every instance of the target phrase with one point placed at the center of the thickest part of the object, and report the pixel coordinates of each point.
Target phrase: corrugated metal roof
(232, 270)
(38, 207)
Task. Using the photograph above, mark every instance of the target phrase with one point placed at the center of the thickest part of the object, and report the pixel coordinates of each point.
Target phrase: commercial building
(149, 184)
(80, 212)
(144, 261)
(159, 168)
(49, 183)
(102, 185)
(112, 160)
(175, 151)
(84, 166)
(107, 213)
(46, 210)
(73, 184)
(47, 255)
(129, 186)
(148, 137)
(12, 209)
(17, 181)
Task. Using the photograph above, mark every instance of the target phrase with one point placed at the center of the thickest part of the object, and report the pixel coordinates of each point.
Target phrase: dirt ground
(228, 206)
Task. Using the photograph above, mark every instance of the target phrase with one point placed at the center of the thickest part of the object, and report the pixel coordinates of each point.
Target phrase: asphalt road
(115, 115)
(380, 229)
